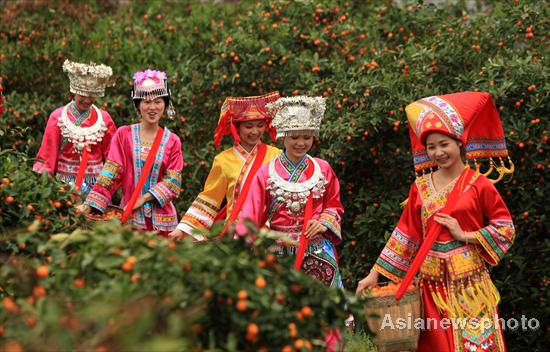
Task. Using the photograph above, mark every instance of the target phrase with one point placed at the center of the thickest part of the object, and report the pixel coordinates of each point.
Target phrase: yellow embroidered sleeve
(204, 209)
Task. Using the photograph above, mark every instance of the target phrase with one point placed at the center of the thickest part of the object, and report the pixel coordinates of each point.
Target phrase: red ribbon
(222, 214)
(143, 177)
(433, 232)
(82, 168)
(302, 246)
(84, 157)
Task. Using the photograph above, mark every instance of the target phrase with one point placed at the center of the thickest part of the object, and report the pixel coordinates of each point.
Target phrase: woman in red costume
(475, 231)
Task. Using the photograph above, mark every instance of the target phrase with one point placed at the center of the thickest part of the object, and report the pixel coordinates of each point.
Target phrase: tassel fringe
(470, 301)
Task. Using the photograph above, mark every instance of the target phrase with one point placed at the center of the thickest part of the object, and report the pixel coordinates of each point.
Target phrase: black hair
(165, 98)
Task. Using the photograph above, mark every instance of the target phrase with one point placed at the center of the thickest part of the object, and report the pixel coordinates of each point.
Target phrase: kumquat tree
(68, 282)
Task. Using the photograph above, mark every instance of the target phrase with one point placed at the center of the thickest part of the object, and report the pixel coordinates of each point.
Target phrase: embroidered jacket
(123, 169)
(454, 277)
(58, 156)
(479, 202)
(261, 207)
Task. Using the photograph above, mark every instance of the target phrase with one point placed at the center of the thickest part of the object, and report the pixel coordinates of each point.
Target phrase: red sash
(82, 168)
(143, 177)
(222, 214)
(300, 253)
(84, 158)
(433, 230)
(239, 202)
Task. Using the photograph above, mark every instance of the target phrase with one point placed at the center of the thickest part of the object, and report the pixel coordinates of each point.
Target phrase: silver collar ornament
(82, 137)
(295, 194)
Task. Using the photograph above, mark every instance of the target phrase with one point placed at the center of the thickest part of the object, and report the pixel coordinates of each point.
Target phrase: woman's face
(251, 132)
(298, 146)
(82, 102)
(151, 110)
(443, 150)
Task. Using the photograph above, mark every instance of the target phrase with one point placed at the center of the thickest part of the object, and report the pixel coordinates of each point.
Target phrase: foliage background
(370, 59)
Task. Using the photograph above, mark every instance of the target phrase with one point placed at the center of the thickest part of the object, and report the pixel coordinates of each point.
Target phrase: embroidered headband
(152, 84)
(239, 109)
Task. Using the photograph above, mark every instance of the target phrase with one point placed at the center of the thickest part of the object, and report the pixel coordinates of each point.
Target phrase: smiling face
(297, 146)
(443, 150)
(151, 110)
(251, 132)
(83, 103)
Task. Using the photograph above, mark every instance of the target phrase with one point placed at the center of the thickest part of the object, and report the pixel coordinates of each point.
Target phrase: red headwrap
(470, 117)
(239, 109)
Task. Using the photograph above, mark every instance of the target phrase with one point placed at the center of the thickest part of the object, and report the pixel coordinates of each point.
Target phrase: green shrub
(110, 288)
(32, 202)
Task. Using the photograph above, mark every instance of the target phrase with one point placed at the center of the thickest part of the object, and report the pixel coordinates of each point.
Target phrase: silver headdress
(297, 115)
(152, 84)
(88, 80)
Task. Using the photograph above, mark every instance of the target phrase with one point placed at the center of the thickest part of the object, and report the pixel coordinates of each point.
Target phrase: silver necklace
(295, 194)
(82, 137)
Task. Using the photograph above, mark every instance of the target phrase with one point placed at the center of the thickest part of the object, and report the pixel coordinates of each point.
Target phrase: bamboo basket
(409, 308)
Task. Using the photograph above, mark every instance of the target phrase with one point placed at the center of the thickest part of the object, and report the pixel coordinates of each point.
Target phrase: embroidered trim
(167, 189)
(433, 200)
(79, 117)
(245, 168)
(110, 172)
(200, 214)
(295, 175)
(331, 220)
(396, 256)
(290, 167)
(496, 239)
(70, 167)
(149, 208)
(97, 200)
(445, 110)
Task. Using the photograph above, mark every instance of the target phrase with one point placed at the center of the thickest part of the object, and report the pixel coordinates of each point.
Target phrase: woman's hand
(83, 209)
(315, 230)
(452, 225)
(177, 234)
(370, 281)
(142, 200)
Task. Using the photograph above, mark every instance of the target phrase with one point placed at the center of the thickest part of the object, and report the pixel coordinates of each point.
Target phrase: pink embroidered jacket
(123, 169)
(261, 207)
(58, 157)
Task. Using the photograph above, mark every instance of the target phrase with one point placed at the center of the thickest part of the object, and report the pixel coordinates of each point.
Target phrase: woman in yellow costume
(246, 119)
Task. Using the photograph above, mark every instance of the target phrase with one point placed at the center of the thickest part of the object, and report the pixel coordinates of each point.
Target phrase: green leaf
(104, 263)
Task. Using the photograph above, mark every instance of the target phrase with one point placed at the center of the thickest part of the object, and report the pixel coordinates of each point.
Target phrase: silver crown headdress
(88, 80)
(297, 115)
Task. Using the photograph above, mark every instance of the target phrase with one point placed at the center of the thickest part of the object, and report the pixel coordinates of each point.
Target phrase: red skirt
(444, 337)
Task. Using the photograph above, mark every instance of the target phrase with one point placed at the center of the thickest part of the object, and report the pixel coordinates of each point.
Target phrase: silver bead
(295, 207)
